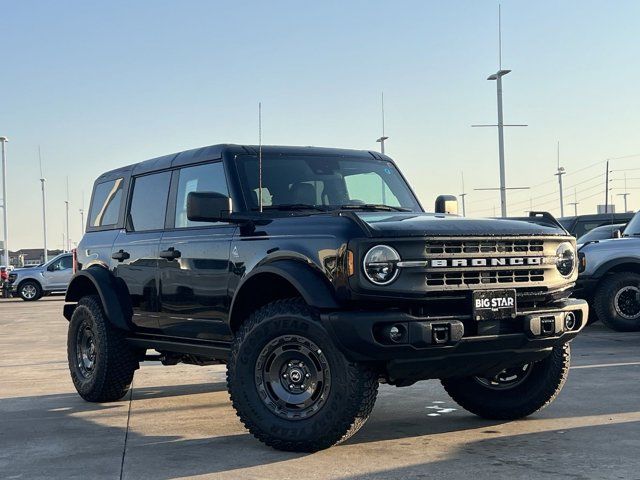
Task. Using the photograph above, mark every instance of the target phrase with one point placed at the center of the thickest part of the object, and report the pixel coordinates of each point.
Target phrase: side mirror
(617, 233)
(447, 204)
(208, 207)
(52, 267)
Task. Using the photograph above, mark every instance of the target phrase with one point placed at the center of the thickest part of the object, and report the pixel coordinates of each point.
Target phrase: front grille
(450, 264)
(484, 246)
(447, 279)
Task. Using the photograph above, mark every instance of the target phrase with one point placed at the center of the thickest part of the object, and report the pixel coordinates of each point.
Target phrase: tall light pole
(498, 78)
(44, 208)
(625, 194)
(82, 217)
(462, 195)
(561, 172)
(575, 202)
(606, 189)
(382, 139)
(3, 141)
(66, 205)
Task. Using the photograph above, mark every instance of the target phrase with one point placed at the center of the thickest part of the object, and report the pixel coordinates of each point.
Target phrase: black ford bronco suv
(314, 274)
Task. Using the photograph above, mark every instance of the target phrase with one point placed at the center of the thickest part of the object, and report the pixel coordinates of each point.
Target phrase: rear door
(134, 257)
(194, 278)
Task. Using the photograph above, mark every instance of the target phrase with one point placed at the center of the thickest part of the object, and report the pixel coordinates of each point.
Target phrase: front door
(135, 252)
(194, 270)
(58, 273)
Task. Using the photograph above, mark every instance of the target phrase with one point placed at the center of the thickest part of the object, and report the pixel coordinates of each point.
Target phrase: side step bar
(211, 350)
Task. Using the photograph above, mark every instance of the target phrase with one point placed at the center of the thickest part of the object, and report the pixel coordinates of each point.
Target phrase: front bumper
(437, 347)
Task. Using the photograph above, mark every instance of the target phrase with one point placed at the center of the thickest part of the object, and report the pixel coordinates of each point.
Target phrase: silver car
(31, 283)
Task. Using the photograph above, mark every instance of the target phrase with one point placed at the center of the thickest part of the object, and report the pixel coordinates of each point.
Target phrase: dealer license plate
(494, 304)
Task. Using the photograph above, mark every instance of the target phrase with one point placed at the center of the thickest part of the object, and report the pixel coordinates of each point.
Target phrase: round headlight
(380, 264)
(565, 259)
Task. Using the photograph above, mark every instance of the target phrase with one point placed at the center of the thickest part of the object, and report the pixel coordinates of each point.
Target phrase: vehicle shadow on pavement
(587, 452)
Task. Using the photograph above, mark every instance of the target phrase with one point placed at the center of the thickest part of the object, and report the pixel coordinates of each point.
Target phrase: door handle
(121, 256)
(170, 254)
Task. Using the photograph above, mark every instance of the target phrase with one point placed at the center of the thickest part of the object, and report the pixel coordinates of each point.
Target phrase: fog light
(396, 333)
(569, 321)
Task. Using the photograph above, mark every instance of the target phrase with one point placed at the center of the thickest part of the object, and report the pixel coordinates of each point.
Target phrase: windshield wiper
(374, 207)
(292, 206)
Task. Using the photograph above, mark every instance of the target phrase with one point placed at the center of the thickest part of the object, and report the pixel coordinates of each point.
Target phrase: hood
(408, 224)
(27, 269)
(624, 245)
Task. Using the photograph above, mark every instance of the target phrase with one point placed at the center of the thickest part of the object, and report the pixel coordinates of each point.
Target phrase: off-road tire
(30, 283)
(348, 404)
(535, 392)
(115, 361)
(606, 296)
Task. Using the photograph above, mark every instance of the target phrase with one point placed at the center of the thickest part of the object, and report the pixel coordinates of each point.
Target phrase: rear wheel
(100, 361)
(290, 385)
(514, 392)
(617, 302)
(30, 290)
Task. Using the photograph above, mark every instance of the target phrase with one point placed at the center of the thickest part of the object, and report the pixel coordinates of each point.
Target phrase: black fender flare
(115, 300)
(313, 287)
(603, 269)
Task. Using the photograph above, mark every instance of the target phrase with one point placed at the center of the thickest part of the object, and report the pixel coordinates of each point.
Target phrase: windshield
(324, 183)
(633, 228)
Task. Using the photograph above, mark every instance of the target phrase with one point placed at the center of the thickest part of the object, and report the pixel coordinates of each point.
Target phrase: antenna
(383, 137)
(44, 208)
(260, 155)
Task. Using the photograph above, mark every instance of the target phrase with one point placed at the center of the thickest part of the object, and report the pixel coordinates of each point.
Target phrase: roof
(212, 152)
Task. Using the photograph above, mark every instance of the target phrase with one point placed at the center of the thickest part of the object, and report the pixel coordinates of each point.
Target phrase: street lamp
(3, 141)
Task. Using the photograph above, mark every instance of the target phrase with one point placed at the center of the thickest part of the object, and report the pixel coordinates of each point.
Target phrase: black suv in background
(315, 274)
(582, 224)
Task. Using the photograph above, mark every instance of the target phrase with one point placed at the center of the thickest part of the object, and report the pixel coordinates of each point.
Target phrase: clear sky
(103, 84)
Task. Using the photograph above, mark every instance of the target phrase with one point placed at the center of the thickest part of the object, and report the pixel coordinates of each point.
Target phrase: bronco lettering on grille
(484, 262)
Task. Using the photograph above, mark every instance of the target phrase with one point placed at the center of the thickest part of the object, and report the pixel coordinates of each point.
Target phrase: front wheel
(290, 385)
(30, 290)
(514, 392)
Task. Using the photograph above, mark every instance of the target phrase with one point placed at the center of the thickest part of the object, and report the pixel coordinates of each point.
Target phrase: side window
(66, 263)
(149, 202)
(201, 178)
(106, 203)
(370, 188)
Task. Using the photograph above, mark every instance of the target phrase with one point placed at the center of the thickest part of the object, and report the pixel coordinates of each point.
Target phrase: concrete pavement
(178, 422)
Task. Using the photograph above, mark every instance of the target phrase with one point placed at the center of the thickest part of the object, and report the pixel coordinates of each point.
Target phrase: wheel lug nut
(285, 375)
(307, 375)
(290, 365)
(291, 386)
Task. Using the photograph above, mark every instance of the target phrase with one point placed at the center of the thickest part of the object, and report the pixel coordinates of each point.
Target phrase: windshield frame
(243, 183)
(632, 224)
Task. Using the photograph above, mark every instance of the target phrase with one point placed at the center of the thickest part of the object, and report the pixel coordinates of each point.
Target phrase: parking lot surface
(178, 421)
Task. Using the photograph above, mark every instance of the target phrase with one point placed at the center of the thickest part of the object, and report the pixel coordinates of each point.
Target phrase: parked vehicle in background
(603, 232)
(31, 283)
(578, 226)
(4, 281)
(337, 281)
(610, 278)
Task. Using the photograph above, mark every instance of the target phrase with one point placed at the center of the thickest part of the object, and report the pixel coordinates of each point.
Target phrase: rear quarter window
(105, 205)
